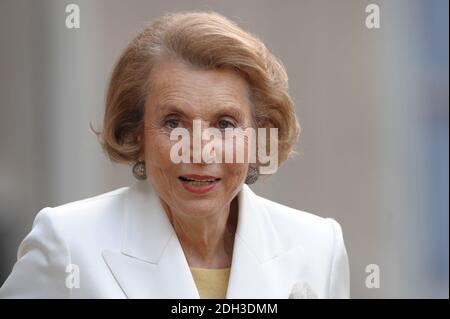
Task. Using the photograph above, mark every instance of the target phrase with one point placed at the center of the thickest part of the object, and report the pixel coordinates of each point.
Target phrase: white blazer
(121, 245)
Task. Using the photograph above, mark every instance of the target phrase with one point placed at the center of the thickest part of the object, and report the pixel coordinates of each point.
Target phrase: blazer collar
(151, 255)
(148, 229)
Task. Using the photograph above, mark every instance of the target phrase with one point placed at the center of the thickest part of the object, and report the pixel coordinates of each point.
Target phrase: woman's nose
(205, 144)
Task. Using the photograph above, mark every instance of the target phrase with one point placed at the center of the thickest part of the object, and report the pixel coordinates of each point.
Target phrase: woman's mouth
(198, 183)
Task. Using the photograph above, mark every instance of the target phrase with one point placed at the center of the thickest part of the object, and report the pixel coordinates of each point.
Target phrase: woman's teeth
(194, 182)
(200, 183)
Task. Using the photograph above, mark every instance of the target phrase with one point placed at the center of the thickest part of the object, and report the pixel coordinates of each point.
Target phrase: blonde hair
(202, 39)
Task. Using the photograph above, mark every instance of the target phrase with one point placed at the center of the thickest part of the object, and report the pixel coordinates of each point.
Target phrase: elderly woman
(190, 229)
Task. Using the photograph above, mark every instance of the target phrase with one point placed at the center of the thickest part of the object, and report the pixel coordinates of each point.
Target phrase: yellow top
(211, 283)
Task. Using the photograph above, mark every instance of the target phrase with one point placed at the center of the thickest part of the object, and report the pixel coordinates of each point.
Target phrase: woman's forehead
(176, 81)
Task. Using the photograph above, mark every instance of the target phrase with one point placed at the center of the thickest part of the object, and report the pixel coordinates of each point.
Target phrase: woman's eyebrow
(230, 109)
(235, 111)
(166, 108)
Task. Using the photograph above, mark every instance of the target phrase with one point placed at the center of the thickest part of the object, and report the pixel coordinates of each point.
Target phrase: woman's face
(179, 95)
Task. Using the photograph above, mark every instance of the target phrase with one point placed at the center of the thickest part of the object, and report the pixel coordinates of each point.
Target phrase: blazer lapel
(262, 266)
(151, 263)
(169, 278)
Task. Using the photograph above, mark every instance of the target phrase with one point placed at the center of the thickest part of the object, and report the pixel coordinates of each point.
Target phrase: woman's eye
(223, 124)
(172, 123)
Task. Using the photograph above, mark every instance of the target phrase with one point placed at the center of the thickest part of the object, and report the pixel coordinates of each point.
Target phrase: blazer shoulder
(97, 199)
(86, 214)
(90, 204)
(293, 216)
(295, 226)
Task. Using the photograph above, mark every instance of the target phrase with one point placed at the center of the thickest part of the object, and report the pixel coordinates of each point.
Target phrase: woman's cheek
(158, 150)
(236, 172)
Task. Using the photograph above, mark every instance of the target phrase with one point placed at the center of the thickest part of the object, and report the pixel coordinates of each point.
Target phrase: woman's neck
(207, 242)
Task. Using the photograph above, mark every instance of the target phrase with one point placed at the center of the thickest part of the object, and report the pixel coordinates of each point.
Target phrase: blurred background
(373, 105)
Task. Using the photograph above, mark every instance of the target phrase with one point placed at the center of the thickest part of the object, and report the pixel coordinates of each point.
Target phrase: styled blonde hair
(206, 40)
